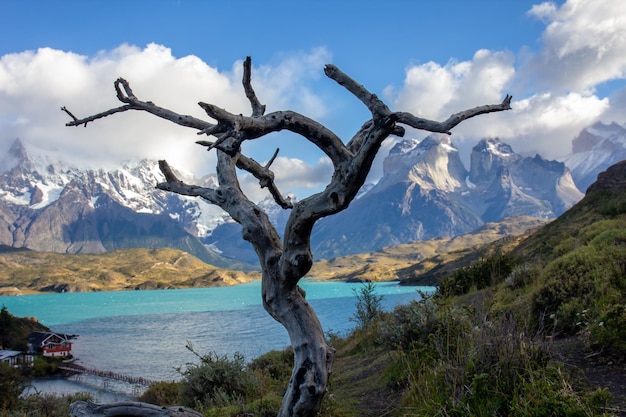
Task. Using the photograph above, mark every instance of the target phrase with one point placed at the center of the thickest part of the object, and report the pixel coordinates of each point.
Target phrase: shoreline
(101, 390)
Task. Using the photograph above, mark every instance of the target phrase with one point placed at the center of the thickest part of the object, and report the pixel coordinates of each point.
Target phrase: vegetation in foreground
(458, 352)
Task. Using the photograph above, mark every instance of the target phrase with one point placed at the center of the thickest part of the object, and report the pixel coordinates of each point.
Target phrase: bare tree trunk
(285, 262)
(313, 357)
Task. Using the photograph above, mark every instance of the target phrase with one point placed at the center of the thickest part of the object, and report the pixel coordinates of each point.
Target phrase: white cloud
(544, 11)
(583, 44)
(554, 88)
(35, 84)
(292, 175)
(431, 90)
(554, 91)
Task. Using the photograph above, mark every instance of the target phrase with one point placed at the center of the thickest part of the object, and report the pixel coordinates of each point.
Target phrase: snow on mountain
(440, 166)
(594, 150)
(426, 192)
(48, 204)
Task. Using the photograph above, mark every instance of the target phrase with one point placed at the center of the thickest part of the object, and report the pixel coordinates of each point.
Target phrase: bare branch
(256, 127)
(69, 113)
(173, 184)
(371, 101)
(77, 122)
(453, 120)
(127, 96)
(271, 161)
(258, 109)
(265, 177)
(130, 96)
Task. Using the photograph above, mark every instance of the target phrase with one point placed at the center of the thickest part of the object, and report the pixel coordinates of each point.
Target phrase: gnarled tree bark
(285, 262)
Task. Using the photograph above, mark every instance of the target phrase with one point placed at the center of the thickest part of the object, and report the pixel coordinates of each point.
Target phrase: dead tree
(284, 263)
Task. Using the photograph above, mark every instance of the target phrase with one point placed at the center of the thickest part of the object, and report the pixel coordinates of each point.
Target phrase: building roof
(4, 354)
(38, 338)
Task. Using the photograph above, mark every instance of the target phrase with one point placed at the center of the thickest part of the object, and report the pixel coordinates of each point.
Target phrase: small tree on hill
(284, 262)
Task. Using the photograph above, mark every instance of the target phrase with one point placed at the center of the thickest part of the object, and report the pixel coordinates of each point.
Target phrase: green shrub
(216, 381)
(609, 332)
(489, 271)
(575, 285)
(49, 405)
(272, 370)
(483, 367)
(409, 323)
(162, 393)
(43, 366)
(267, 406)
(521, 276)
(12, 383)
(368, 306)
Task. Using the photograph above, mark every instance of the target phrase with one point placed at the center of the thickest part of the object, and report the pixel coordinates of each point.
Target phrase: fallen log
(128, 409)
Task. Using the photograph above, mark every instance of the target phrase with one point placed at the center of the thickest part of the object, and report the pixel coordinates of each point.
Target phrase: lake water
(144, 333)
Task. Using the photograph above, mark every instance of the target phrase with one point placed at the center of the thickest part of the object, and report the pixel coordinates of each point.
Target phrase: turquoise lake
(144, 333)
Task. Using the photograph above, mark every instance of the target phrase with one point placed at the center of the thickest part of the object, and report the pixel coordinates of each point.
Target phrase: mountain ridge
(425, 192)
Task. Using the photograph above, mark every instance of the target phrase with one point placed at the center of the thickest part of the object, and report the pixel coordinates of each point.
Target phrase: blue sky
(563, 62)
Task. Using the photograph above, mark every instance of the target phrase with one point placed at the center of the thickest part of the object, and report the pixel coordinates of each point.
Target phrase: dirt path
(598, 370)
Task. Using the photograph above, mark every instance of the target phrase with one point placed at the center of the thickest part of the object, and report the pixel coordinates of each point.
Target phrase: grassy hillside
(14, 331)
(128, 269)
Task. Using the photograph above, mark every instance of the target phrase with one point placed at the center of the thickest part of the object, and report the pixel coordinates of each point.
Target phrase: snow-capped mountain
(49, 205)
(426, 192)
(594, 150)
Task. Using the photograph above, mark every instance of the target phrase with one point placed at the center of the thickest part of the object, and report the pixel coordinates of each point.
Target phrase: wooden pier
(77, 369)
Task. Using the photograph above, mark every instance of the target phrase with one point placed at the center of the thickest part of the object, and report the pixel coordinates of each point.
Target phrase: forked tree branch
(453, 120)
(258, 109)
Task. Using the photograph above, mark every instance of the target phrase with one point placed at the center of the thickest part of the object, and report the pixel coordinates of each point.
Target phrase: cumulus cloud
(292, 175)
(35, 84)
(583, 44)
(554, 90)
(432, 90)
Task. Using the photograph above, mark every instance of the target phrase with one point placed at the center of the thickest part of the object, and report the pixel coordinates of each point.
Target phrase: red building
(51, 344)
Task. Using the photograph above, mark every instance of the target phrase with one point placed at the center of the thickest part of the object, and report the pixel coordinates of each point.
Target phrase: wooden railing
(77, 369)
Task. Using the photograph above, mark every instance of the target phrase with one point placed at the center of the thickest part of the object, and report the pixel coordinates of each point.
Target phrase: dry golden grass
(127, 269)
(414, 259)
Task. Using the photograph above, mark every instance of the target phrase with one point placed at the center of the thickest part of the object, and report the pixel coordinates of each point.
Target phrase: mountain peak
(495, 147)
(16, 155)
(488, 157)
(596, 148)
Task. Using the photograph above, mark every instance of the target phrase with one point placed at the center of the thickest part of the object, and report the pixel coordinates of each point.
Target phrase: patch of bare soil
(361, 384)
(597, 370)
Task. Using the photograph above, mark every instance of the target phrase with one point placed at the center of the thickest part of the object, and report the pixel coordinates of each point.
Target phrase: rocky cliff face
(47, 205)
(426, 192)
(594, 150)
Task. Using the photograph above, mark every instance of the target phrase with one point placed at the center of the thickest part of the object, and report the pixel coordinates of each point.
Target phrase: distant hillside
(421, 262)
(14, 331)
(605, 201)
(129, 269)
